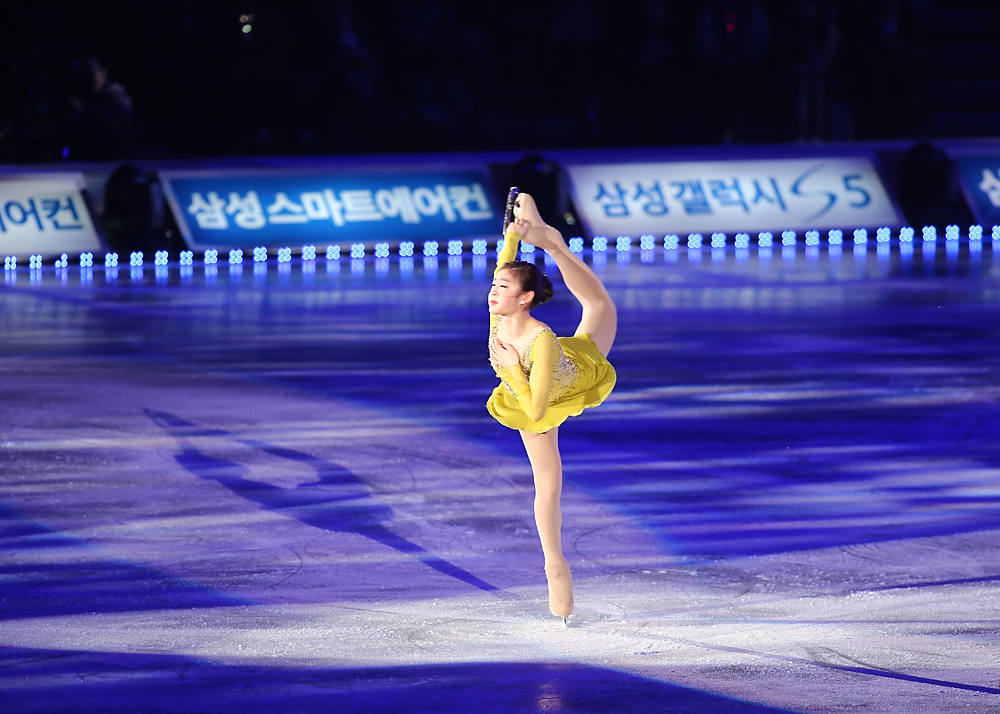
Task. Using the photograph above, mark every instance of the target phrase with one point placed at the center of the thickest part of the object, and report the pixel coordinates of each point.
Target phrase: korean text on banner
(980, 177)
(45, 214)
(241, 208)
(731, 196)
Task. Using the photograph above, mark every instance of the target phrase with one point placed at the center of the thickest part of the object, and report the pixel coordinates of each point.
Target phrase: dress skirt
(594, 381)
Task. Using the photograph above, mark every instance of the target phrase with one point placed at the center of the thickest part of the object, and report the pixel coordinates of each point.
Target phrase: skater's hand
(519, 226)
(503, 354)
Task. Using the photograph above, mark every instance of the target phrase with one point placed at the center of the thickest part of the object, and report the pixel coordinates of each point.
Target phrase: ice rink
(275, 488)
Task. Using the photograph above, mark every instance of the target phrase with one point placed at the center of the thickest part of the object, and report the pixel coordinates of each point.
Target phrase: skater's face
(506, 296)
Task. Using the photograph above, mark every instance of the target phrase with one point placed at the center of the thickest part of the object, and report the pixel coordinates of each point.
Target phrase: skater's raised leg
(600, 317)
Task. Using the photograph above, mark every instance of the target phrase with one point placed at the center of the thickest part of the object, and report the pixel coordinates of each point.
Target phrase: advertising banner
(980, 177)
(239, 208)
(731, 196)
(45, 214)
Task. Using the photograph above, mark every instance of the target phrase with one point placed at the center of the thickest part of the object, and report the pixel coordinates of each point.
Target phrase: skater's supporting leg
(546, 466)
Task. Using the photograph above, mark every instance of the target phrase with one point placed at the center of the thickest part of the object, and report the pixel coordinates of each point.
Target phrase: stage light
(576, 244)
(260, 254)
(623, 243)
(406, 249)
(86, 260)
(789, 237)
(835, 237)
(210, 257)
(996, 232)
(63, 261)
(161, 257)
(671, 241)
(357, 250)
(764, 239)
(812, 237)
(906, 234)
(883, 234)
(647, 242)
(284, 255)
(694, 240)
(600, 243)
(333, 252)
(135, 259)
(951, 232)
(34, 262)
(860, 236)
(381, 250)
(718, 241)
(975, 233)
(929, 233)
(742, 240)
(308, 252)
(455, 247)
(430, 248)
(235, 256)
(479, 246)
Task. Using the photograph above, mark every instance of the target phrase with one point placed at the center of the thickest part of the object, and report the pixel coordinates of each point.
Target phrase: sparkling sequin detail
(564, 371)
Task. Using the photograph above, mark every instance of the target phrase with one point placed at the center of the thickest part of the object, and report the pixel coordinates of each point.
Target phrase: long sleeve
(533, 393)
(508, 254)
(511, 240)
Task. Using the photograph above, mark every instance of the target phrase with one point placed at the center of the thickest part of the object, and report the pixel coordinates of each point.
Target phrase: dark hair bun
(529, 277)
(546, 290)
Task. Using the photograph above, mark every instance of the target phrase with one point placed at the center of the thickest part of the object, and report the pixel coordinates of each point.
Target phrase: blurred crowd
(104, 80)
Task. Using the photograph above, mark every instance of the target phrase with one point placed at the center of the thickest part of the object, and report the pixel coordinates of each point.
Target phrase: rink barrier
(835, 238)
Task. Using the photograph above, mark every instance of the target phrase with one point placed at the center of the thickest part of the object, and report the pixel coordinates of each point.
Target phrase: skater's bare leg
(600, 317)
(546, 466)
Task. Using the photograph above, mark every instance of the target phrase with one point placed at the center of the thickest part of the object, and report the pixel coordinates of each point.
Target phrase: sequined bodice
(564, 371)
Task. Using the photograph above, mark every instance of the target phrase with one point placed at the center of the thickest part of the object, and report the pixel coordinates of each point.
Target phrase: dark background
(387, 76)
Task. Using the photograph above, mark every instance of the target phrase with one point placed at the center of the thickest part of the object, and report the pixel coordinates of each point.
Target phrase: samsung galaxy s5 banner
(731, 196)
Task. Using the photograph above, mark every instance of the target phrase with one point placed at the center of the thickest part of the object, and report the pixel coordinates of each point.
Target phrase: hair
(531, 278)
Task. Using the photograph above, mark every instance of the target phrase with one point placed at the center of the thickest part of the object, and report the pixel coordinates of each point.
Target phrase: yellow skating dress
(571, 369)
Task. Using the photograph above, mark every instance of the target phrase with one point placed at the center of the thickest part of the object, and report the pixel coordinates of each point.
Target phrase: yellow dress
(557, 377)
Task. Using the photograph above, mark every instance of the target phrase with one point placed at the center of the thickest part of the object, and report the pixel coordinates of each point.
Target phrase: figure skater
(546, 379)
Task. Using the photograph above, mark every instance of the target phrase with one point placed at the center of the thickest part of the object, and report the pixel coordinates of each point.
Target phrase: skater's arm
(508, 254)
